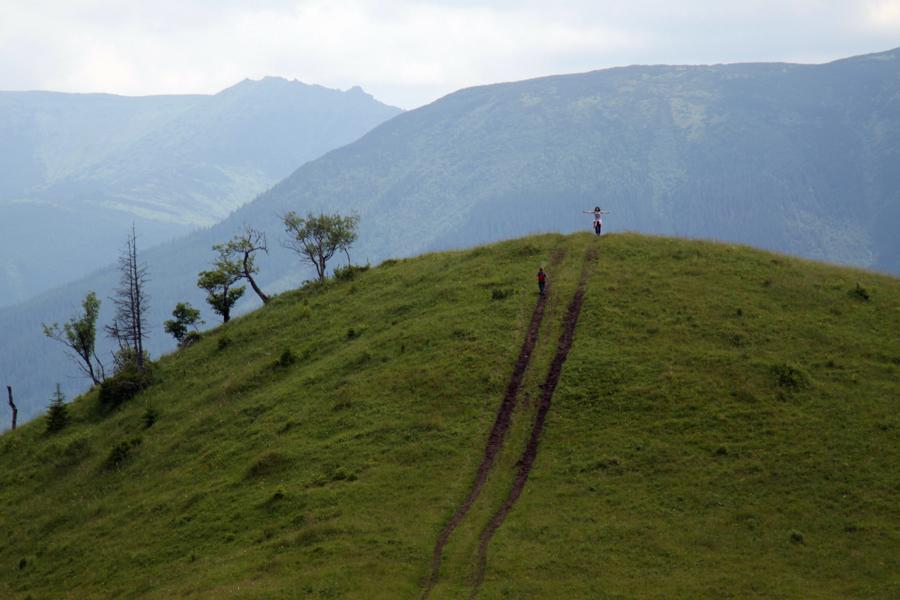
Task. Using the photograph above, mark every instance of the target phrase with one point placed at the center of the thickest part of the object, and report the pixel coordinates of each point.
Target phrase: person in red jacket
(542, 280)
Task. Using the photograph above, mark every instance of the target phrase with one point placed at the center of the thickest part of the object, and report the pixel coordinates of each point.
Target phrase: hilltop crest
(721, 418)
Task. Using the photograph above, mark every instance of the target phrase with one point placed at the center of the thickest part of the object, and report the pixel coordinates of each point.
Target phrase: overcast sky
(407, 52)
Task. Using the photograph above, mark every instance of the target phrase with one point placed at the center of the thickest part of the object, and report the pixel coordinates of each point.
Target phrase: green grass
(718, 405)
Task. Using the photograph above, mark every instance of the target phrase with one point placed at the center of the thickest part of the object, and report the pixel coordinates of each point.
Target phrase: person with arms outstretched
(598, 218)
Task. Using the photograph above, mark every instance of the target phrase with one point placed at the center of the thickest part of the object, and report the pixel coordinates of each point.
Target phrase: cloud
(407, 52)
(883, 15)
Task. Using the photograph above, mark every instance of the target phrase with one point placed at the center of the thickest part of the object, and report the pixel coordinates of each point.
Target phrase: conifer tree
(57, 413)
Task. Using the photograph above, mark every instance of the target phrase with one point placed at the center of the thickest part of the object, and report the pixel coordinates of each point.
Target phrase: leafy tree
(242, 249)
(316, 238)
(219, 283)
(129, 326)
(79, 335)
(57, 414)
(186, 316)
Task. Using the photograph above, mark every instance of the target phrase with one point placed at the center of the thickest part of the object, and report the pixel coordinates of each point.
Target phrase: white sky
(408, 52)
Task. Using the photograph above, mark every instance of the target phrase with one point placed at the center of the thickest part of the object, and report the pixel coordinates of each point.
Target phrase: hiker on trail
(542, 279)
(598, 218)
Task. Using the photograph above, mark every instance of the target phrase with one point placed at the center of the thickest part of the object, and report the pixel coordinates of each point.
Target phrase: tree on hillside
(186, 316)
(79, 335)
(242, 249)
(129, 327)
(316, 238)
(57, 415)
(219, 283)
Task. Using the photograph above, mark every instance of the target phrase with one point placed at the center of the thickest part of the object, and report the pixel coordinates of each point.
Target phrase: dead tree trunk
(12, 405)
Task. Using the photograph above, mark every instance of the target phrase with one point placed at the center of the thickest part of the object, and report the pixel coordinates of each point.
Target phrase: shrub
(286, 359)
(859, 293)
(191, 338)
(124, 385)
(126, 358)
(797, 537)
(789, 377)
(349, 272)
(150, 416)
(744, 395)
(266, 464)
(526, 250)
(75, 451)
(500, 294)
(352, 334)
(120, 453)
(224, 342)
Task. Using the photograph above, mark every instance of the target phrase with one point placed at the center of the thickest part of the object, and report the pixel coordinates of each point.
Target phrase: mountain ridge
(807, 166)
(169, 163)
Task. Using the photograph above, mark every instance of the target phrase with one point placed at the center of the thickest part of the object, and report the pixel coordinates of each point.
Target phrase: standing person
(542, 280)
(598, 218)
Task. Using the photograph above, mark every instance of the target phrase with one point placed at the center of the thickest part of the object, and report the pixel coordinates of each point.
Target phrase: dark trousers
(541, 285)
(597, 227)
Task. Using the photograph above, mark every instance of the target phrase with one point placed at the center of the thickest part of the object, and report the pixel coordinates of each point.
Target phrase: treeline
(314, 239)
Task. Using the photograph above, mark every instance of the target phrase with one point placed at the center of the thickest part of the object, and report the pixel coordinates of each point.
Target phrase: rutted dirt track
(497, 434)
(527, 460)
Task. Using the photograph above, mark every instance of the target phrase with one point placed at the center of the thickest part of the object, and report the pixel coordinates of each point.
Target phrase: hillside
(78, 163)
(712, 421)
(796, 158)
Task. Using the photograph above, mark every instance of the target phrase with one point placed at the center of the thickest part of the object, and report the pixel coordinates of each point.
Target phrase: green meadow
(726, 425)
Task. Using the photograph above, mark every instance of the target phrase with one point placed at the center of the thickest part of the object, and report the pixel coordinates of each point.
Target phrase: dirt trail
(498, 431)
(525, 463)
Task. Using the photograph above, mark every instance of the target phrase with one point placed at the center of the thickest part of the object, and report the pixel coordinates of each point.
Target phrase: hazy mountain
(77, 169)
(797, 158)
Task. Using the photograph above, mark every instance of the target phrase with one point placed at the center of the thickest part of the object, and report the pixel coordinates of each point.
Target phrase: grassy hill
(724, 424)
(799, 159)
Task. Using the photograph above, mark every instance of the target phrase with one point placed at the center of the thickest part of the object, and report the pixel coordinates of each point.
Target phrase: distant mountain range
(797, 158)
(77, 169)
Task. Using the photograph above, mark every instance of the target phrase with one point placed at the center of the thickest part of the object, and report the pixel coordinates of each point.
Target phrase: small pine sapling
(57, 413)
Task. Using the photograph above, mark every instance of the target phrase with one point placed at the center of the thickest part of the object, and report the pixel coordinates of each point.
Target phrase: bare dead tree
(12, 405)
(243, 248)
(131, 301)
